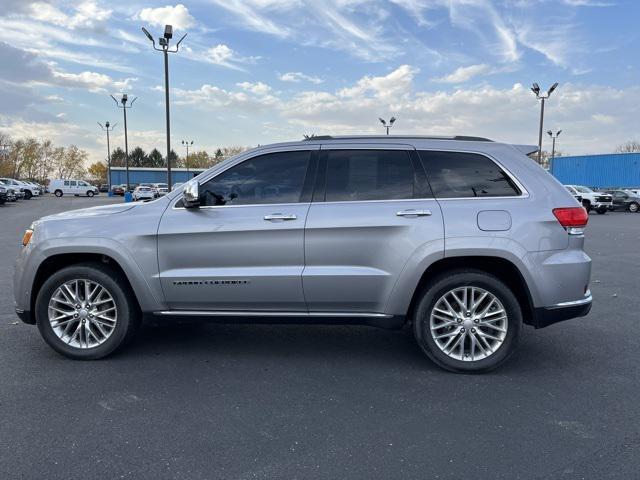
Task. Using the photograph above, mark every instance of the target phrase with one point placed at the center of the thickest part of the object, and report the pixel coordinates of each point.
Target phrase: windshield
(583, 189)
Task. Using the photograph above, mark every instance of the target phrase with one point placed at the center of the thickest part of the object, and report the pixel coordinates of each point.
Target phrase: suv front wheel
(84, 312)
(467, 321)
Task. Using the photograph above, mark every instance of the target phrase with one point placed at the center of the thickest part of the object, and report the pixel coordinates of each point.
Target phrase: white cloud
(296, 77)
(92, 81)
(464, 74)
(258, 88)
(178, 16)
(395, 84)
(87, 14)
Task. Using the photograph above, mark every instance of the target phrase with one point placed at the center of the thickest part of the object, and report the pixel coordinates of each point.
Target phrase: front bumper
(545, 316)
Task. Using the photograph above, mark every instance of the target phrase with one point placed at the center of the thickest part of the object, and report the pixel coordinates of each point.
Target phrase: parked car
(143, 193)
(161, 189)
(75, 187)
(30, 189)
(104, 188)
(3, 194)
(463, 238)
(598, 201)
(118, 189)
(17, 187)
(625, 200)
(177, 185)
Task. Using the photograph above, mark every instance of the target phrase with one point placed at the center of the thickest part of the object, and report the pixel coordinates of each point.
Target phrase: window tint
(66, 183)
(270, 178)
(354, 175)
(457, 174)
(72, 183)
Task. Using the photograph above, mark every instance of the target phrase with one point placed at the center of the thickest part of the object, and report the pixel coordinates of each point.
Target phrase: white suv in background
(598, 201)
(75, 187)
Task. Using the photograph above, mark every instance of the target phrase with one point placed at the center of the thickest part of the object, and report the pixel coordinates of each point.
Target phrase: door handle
(413, 213)
(274, 217)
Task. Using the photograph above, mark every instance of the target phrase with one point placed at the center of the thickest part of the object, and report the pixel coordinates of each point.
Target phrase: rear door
(372, 209)
(243, 249)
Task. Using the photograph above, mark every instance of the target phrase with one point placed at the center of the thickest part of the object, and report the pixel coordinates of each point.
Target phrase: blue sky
(259, 71)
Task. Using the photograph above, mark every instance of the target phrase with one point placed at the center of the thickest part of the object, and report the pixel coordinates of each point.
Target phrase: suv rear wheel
(467, 321)
(58, 193)
(84, 313)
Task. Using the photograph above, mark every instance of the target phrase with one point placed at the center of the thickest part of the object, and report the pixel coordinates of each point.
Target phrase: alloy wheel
(82, 313)
(468, 323)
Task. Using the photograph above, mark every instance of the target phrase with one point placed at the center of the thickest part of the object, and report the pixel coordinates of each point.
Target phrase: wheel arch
(500, 267)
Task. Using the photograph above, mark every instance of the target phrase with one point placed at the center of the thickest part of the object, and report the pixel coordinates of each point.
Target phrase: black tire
(601, 210)
(442, 284)
(90, 193)
(58, 193)
(128, 318)
(634, 207)
(27, 195)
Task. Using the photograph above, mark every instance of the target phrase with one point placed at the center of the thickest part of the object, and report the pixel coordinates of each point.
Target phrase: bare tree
(631, 146)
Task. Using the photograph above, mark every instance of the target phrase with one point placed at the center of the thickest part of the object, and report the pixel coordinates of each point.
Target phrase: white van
(61, 187)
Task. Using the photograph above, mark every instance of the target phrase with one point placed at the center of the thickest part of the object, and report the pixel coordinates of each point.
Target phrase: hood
(92, 211)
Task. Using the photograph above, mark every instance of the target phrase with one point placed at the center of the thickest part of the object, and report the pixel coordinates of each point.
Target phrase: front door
(373, 209)
(243, 249)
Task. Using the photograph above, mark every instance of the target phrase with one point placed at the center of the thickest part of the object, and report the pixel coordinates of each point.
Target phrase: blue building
(152, 175)
(615, 170)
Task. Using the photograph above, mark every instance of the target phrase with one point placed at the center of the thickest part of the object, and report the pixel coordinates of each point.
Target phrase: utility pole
(123, 105)
(164, 48)
(108, 128)
(542, 96)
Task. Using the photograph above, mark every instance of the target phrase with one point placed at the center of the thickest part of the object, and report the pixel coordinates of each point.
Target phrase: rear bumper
(545, 316)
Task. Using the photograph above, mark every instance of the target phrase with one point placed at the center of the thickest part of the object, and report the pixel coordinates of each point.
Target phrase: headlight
(26, 238)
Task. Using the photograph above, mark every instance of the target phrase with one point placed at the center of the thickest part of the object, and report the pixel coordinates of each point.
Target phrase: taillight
(573, 219)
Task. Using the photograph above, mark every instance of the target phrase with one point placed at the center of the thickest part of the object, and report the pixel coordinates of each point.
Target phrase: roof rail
(465, 138)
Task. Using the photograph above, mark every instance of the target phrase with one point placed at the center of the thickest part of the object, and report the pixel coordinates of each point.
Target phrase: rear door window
(357, 175)
(466, 175)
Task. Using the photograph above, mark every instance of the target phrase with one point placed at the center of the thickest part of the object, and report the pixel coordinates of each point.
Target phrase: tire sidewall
(58, 193)
(633, 207)
(89, 194)
(107, 280)
(448, 282)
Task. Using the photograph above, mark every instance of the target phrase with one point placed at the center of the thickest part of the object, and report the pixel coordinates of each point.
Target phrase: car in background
(104, 188)
(3, 194)
(161, 189)
(591, 200)
(118, 189)
(625, 200)
(17, 187)
(30, 189)
(177, 185)
(142, 192)
(61, 187)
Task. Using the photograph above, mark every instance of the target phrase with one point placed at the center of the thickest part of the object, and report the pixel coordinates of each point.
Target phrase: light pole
(553, 148)
(542, 96)
(108, 128)
(164, 48)
(123, 105)
(186, 162)
(392, 120)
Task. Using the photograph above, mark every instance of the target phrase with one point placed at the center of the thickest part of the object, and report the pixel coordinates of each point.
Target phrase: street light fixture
(187, 143)
(542, 96)
(107, 127)
(553, 148)
(123, 105)
(392, 120)
(164, 48)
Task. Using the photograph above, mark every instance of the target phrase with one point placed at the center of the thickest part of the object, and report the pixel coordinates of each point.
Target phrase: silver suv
(462, 238)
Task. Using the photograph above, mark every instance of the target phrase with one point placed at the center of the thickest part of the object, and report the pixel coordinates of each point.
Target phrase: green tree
(138, 158)
(175, 160)
(117, 157)
(155, 159)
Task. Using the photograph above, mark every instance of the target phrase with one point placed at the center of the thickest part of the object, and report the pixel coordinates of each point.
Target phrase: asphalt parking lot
(209, 401)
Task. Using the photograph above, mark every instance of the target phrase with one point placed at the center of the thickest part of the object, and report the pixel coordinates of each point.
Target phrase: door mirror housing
(191, 194)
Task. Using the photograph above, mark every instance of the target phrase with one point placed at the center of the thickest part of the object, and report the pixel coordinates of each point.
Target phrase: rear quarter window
(466, 175)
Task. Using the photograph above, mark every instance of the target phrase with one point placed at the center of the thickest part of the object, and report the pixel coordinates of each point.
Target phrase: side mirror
(191, 194)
